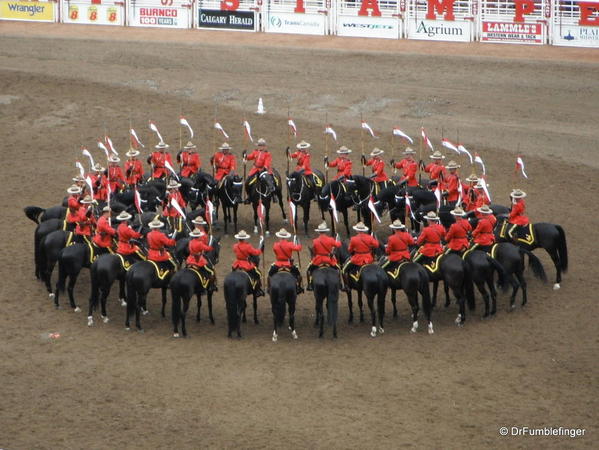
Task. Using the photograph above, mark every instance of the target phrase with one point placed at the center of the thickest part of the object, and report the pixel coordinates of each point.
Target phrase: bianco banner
(160, 13)
(365, 26)
(28, 11)
(83, 11)
(440, 30)
(295, 23)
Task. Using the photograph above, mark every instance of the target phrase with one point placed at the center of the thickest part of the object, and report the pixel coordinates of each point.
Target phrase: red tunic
(430, 240)
(404, 164)
(169, 210)
(283, 251)
(480, 200)
(398, 246)
(243, 250)
(190, 163)
(360, 247)
(378, 169)
(262, 160)
(197, 247)
(303, 162)
(323, 247)
(483, 233)
(115, 175)
(452, 184)
(100, 185)
(436, 171)
(73, 207)
(125, 233)
(224, 164)
(409, 173)
(457, 236)
(343, 165)
(517, 214)
(84, 223)
(134, 170)
(156, 243)
(157, 160)
(104, 233)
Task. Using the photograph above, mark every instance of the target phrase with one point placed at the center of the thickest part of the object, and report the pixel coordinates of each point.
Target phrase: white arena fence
(538, 22)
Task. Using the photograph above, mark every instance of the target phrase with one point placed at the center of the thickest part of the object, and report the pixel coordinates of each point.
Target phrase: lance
(326, 150)
(245, 139)
(288, 141)
(420, 158)
(362, 144)
(180, 137)
(214, 137)
(393, 152)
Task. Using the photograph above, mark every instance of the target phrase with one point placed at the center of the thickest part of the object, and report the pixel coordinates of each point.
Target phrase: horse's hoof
(556, 286)
(145, 312)
(373, 332)
(274, 337)
(381, 330)
(123, 302)
(267, 233)
(430, 329)
(255, 230)
(461, 325)
(414, 328)
(90, 321)
(77, 309)
(294, 334)
(105, 319)
(51, 295)
(458, 319)
(127, 329)
(141, 331)
(176, 335)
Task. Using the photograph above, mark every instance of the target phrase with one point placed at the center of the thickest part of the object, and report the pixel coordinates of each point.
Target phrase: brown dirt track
(102, 387)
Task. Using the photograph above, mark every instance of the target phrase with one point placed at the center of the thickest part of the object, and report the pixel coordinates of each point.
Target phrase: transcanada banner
(440, 30)
(227, 20)
(296, 23)
(365, 26)
(29, 11)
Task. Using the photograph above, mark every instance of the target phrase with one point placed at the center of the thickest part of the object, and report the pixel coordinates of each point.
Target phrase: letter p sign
(523, 7)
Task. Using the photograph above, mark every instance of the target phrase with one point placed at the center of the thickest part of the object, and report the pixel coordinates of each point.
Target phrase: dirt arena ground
(103, 387)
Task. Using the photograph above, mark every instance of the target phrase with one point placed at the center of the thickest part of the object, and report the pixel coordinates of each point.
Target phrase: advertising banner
(440, 30)
(280, 22)
(441, 20)
(160, 13)
(528, 33)
(29, 11)
(227, 20)
(514, 21)
(576, 24)
(365, 26)
(93, 13)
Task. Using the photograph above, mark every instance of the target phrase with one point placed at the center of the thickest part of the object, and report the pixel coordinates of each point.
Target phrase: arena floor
(103, 387)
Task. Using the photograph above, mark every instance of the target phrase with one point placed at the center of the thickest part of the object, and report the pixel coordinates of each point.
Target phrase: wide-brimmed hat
(322, 228)
(360, 227)
(409, 151)
(172, 184)
(106, 209)
(283, 233)
(225, 146)
(452, 165)
(343, 150)
(472, 178)
(485, 209)
(74, 189)
(376, 152)
(397, 225)
(124, 215)
(261, 142)
(457, 212)
(437, 155)
(303, 145)
(162, 145)
(242, 235)
(517, 193)
(155, 224)
(98, 167)
(114, 159)
(199, 221)
(87, 199)
(131, 153)
(196, 233)
(431, 215)
(189, 146)
(78, 179)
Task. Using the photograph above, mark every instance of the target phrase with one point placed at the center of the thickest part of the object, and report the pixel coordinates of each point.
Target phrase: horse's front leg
(306, 217)
(210, 316)
(235, 216)
(350, 306)
(70, 290)
(371, 306)
(122, 294)
(446, 289)
(163, 301)
(183, 315)
(199, 303)
(360, 305)
(255, 304)
(280, 201)
(291, 310)
(255, 208)
(394, 302)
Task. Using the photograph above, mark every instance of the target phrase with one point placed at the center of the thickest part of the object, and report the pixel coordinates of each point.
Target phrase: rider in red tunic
(169, 210)
(157, 241)
(409, 168)
(283, 250)
(243, 251)
(360, 248)
(483, 235)
(322, 247)
(430, 240)
(197, 261)
(134, 171)
(125, 233)
(261, 157)
(452, 184)
(85, 221)
(469, 197)
(99, 183)
(189, 160)
(342, 163)
(224, 162)
(73, 205)
(436, 169)
(517, 217)
(378, 167)
(104, 233)
(457, 235)
(303, 158)
(158, 161)
(398, 248)
(116, 180)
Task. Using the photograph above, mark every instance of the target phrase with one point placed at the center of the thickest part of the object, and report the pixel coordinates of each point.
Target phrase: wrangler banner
(29, 11)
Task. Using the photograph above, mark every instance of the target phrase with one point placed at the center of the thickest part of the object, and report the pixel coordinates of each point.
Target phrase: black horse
(71, 260)
(481, 268)
(229, 193)
(41, 231)
(354, 193)
(50, 247)
(283, 293)
(301, 193)
(326, 286)
(185, 284)
(412, 278)
(39, 215)
(237, 287)
(104, 271)
(549, 236)
(263, 188)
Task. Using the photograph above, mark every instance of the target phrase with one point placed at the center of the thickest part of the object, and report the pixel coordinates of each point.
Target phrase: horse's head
(234, 187)
(324, 198)
(213, 254)
(267, 180)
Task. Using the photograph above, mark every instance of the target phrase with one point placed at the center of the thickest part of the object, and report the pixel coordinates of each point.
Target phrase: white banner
(576, 24)
(440, 30)
(159, 13)
(278, 22)
(365, 26)
(441, 20)
(514, 21)
(83, 11)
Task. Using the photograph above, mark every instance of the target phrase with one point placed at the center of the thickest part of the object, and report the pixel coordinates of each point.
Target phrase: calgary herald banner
(28, 11)
(227, 20)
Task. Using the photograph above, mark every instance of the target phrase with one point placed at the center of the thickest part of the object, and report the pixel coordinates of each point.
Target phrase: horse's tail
(562, 249)
(233, 301)
(278, 307)
(33, 213)
(176, 307)
(62, 275)
(332, 302)
(469, 288)
(423, 288)
(535, 264)
(95, 289)
(501, 274)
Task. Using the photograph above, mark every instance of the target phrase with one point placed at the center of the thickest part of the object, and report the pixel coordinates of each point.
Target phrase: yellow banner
(35, 11)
